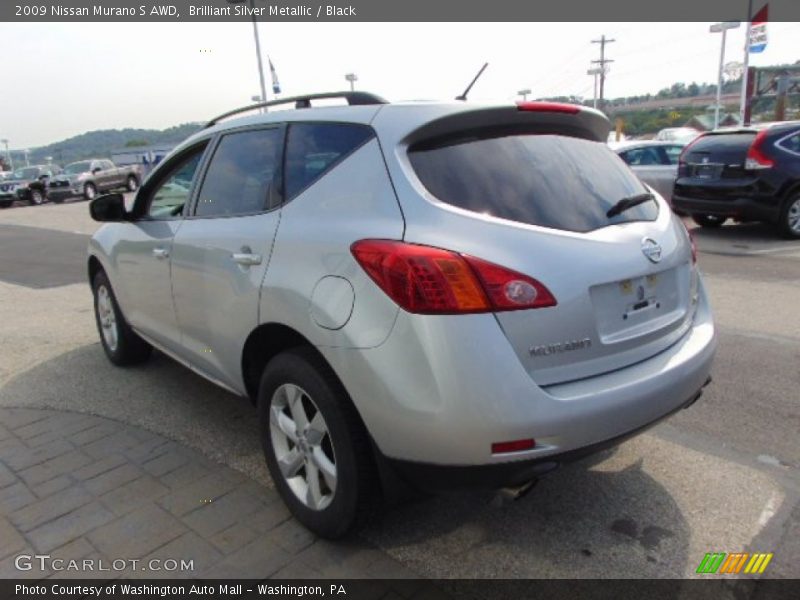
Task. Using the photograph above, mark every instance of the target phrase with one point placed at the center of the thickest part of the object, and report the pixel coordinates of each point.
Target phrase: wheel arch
(264, 343)
(94, 266)
(791, 189)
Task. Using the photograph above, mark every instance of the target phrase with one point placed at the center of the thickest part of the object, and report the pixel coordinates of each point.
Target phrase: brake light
(427, 280)
(556, 107)
(756, 159)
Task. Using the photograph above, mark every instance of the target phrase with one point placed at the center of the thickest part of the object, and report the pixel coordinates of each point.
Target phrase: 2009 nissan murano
(441, 294)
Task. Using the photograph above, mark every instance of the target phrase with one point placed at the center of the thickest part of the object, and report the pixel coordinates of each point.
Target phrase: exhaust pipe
(507, 495)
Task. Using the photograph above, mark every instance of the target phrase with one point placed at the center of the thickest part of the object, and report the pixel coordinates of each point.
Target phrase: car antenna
(469, 87)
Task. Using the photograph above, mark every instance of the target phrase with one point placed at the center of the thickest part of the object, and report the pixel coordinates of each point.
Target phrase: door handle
(160, 253)
(246, 259)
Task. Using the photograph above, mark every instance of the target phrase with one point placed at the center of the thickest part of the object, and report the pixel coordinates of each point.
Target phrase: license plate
(707, 171)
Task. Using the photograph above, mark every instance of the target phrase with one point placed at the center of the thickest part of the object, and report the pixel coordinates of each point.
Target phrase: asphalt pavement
(721, 476)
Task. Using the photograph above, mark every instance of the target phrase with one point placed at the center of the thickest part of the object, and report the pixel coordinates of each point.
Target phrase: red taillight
(756, 159)
(556, 107)
(515, 446)
(427, 280)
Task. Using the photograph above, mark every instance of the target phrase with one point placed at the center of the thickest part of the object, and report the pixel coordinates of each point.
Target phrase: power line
(602, 62)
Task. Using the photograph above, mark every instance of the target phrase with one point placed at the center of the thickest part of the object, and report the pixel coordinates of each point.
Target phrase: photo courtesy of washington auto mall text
(395, 300)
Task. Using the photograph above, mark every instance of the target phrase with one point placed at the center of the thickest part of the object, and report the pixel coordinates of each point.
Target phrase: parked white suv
(443, 294)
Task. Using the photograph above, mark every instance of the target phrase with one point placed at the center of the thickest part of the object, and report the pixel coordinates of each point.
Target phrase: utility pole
(602, 62)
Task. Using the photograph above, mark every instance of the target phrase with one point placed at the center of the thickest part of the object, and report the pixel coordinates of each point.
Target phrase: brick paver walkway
(80, 487)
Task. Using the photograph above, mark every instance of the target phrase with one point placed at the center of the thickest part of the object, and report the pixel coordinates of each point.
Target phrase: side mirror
(96, 170)
(109, 208)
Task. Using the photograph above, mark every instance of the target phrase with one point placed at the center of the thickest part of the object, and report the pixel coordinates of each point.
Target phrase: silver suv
(438, 294)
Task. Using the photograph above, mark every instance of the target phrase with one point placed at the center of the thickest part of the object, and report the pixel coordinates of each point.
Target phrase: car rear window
(548, 180)
(723, 142)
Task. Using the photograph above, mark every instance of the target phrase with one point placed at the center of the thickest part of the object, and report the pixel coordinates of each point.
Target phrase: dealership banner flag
(276, 86)
(758, 30)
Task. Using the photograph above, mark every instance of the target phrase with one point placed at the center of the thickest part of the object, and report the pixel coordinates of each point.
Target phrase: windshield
(548, 180)
(26, 173)
(78, 167)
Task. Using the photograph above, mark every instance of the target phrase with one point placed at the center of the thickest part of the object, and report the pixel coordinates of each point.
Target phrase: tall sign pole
(716, 28)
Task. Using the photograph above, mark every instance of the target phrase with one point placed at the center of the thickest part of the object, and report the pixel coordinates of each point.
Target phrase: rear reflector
(555, 107)
(515, 446)
(427, 280)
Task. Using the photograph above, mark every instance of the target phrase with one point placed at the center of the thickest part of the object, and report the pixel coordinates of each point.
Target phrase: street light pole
(258, 48)
(743, 99)
(524, 93)
(8, 155)
(352, 78)
(716, 28)
(258, 54)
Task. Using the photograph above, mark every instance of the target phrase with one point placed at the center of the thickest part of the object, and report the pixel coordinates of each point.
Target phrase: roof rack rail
(353, 99)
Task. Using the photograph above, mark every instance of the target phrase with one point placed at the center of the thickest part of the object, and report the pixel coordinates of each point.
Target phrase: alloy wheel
(107, 318)
(302, 446)
(793, 216)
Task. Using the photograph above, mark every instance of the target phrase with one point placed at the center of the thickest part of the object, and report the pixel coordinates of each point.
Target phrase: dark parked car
(748, 174)
(27, 184)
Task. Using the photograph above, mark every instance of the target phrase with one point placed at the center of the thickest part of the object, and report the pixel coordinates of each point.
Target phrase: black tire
(132, 184)
(89, 191)
(129, 349)
(790, 213)
(357, 489)
(6, 204)
(36, 197)
(709, 221)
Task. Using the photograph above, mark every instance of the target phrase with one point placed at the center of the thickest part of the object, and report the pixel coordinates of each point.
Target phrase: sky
(63, 79)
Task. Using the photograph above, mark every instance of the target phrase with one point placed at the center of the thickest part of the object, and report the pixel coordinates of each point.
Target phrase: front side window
(315, 148)
(172, 192)
(548, 180)
(244, 174)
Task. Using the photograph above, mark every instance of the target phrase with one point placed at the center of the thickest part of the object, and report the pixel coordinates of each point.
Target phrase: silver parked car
(656, 163)
(439, 294)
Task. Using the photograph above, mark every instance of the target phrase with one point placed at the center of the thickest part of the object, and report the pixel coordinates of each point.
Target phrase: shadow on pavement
(602, 517)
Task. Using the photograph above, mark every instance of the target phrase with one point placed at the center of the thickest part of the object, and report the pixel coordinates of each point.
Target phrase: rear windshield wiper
(629, 202)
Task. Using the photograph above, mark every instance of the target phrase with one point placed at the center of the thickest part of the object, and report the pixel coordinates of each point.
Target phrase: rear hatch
(714, 163)
(536, 200)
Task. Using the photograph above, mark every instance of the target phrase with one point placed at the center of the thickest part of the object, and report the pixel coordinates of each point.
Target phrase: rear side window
(314, 148)
(547, 180)
(243, 176)
(792, 143)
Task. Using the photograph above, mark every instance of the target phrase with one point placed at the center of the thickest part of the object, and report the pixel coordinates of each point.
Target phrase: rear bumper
(61, 193)
(441, 390)
(434, 478)
(735, 205)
